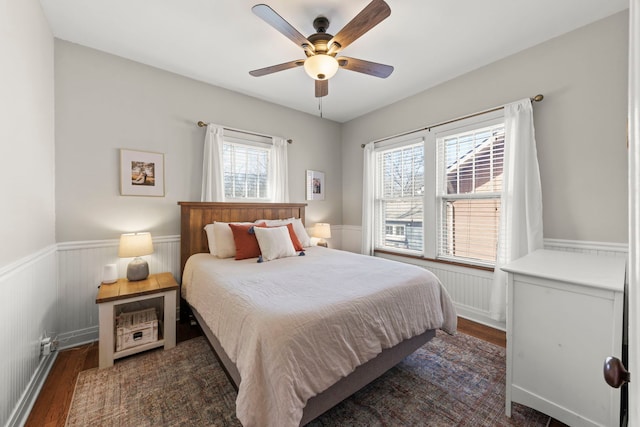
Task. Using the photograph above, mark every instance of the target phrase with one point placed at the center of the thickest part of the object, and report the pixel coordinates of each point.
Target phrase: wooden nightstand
(112, 296)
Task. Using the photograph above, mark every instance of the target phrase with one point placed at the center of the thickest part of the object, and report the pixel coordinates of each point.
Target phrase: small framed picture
(315, 185)
(141, 173)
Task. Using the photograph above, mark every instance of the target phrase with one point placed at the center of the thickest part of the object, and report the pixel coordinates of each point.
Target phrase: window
(468, 195)
(246, 171)
(400, 197)
(243, 166)
(246, 168)
(438, 192)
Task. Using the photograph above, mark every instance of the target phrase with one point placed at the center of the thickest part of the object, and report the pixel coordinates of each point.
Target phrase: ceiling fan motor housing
(320, 43)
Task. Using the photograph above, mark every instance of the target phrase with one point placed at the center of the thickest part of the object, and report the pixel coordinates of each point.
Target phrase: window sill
(440, 261)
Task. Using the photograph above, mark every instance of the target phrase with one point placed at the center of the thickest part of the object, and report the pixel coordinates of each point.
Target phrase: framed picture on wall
(141, 173)
(315, 185)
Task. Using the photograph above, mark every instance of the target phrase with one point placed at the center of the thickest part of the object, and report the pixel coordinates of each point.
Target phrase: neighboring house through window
(400, 175)
(438, 192)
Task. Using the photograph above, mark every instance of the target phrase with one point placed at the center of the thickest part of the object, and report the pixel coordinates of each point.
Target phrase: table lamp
(322, 230)
(136, 245)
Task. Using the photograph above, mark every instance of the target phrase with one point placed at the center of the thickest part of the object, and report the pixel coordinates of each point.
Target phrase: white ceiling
(220, 41)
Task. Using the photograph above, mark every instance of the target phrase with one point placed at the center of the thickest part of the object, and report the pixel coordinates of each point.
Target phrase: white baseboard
(478, 316)
(79, 337)
(21, 412)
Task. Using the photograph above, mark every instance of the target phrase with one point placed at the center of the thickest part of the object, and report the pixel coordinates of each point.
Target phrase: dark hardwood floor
(55, 397)
(494, 336)
(53, 402)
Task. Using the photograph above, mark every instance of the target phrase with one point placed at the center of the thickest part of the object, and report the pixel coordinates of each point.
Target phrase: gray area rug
(450, 381)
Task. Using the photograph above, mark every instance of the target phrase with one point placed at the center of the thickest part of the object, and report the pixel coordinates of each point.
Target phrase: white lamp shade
(322, 230)
(321, 66)
(135, 244)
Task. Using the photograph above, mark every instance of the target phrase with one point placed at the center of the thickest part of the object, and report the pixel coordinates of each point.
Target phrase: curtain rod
(204, 125)
(536, 98)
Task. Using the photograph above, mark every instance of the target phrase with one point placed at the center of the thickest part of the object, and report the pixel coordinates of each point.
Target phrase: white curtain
(633, 291)
(279, 174)
(368, 199)
(212, 179)
(521, 204)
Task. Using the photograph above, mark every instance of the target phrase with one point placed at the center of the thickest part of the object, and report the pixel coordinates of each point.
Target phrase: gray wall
(580, 126)
(26, 131)
(28, 270)
(105, 103)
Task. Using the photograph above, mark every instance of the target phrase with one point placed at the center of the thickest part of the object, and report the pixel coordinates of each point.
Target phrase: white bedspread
(295, 326)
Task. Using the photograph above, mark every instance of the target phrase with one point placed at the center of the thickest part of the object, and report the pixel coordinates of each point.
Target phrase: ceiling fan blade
(322, 88)
(374, 13)
(275, 68)
(366, 67)
(272, 18)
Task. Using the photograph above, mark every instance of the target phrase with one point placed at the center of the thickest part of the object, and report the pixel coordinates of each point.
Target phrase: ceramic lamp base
(138, 269)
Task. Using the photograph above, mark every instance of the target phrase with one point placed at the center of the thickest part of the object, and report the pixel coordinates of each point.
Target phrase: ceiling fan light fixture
(321, 66)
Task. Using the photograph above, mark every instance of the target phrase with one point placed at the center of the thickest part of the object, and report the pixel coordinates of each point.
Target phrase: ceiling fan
(321, 47)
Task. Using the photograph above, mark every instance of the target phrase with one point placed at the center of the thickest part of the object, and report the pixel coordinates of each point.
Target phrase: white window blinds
(246, 170)
(399, 197)
(241, 165)
(437, 193)
(470, 166)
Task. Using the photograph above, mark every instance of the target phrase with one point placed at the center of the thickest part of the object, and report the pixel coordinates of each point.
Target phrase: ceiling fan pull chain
(320, 106)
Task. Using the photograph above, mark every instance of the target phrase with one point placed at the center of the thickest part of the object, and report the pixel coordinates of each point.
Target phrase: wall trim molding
(76, 338)
(586, 245)
(90, 244)
(478, 316)
(350, 227)
(27, 261)
(22, 410)
(87, 244)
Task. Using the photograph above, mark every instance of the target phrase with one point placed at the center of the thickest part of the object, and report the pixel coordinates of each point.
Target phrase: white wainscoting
(54, 291)
(470, 289)
(80, 266)
(27, 309)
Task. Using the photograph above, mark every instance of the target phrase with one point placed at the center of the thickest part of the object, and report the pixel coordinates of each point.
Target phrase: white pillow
(298, 228)
(211, 238)
(274, 243)
(301, 232)
(224, 244)
(272, 222)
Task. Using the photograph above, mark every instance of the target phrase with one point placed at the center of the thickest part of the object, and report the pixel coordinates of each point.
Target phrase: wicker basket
(136, 328)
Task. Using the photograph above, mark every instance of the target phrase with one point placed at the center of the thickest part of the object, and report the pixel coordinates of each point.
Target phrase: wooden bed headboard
(195, 215)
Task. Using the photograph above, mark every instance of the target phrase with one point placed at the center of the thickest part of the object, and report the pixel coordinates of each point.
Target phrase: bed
(291, 345)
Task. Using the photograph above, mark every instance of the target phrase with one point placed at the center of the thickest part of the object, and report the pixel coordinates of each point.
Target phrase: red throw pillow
(294, 238)
(246, 242)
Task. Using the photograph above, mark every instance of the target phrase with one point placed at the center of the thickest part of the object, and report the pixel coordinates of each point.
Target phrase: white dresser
(564, 317)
